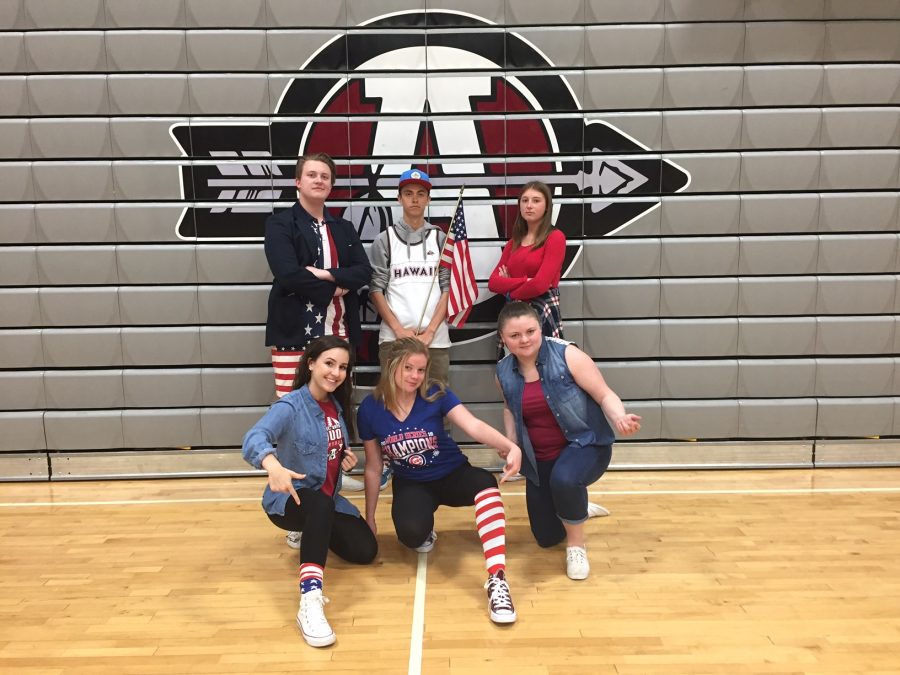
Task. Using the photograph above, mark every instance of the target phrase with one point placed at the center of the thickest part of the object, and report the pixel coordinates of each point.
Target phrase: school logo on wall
(473, 106)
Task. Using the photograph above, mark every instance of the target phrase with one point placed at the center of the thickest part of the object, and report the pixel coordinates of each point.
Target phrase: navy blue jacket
(291, 244)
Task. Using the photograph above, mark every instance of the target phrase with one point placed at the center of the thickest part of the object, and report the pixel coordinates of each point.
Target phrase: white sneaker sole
(427, 548)
(504, 618)
(578, 576)
(313, 641)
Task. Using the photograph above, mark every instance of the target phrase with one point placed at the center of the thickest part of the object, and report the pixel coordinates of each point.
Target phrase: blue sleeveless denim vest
(578, 415)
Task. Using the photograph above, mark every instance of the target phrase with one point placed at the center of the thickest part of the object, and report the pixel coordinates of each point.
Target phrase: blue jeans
(561, 496)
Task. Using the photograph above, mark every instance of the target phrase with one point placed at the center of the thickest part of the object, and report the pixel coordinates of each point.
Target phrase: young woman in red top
(531, 263)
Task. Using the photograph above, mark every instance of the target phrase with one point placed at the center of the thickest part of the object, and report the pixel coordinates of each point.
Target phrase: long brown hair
(344, 392)
(398, 352)
(520, 227)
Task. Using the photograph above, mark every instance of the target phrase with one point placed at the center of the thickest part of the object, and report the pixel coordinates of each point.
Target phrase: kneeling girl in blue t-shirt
(403, 421)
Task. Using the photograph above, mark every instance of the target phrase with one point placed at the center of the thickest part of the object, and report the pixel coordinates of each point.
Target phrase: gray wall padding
(758, 304)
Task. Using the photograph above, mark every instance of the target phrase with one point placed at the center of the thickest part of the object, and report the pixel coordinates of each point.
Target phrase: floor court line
(417, 632)
(592, 493)
(417, 628)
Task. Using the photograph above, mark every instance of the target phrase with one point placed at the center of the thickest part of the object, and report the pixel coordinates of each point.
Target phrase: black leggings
(324, 528)
(416, 501)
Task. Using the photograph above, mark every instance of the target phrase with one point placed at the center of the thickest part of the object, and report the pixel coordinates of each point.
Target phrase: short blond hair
(316, 157)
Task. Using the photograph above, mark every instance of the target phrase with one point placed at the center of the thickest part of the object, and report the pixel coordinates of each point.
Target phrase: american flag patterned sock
(490, 520)
(310, 577)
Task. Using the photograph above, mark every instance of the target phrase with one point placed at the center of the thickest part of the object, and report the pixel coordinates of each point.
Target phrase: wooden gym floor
(694, 572)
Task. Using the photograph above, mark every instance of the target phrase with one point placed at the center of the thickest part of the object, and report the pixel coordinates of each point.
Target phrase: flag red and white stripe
(456, 257)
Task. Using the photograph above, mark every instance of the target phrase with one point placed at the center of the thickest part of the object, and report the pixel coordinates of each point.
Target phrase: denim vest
(578, 415)
(296, 423)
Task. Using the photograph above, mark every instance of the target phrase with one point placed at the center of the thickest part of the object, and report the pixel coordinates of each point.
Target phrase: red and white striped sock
(490, 520)
(311, 577)
(285, 363)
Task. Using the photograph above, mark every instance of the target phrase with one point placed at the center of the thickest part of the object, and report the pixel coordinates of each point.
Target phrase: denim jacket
(297, 424)
(578, 415)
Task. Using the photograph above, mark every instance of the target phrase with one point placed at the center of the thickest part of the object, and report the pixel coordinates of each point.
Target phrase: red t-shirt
(532, 272)
(547, 438)
(335, 445)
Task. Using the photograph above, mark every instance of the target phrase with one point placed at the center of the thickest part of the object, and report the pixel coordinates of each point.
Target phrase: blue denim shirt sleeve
(260, 440)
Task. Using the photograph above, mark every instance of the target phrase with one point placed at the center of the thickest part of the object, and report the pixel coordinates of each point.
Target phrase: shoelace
(314, 610)
(498, 589)
(576, 555)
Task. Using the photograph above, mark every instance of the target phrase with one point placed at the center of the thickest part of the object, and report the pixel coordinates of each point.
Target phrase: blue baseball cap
(415, 176)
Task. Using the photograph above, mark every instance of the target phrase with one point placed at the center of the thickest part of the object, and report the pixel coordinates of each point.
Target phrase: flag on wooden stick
(456, 257)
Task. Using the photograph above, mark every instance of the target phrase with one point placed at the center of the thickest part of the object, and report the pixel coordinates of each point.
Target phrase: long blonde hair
(520, 227)
(398, 352)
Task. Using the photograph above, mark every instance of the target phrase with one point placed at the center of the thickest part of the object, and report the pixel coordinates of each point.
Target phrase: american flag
(455, 256)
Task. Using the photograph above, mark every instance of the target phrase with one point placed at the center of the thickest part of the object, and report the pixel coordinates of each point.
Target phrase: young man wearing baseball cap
(405, 258)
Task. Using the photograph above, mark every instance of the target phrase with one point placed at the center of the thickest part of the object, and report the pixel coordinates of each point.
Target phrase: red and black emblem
(472, 104)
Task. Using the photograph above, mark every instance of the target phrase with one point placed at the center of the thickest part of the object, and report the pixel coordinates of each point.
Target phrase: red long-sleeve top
(532, 272)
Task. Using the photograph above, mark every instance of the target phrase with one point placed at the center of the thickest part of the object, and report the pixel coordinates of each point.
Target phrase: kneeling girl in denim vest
(558, 408)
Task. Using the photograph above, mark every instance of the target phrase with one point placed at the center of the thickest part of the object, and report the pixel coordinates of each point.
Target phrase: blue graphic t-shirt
(419, 448)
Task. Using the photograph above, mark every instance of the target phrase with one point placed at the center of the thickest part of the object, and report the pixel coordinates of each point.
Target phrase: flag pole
(437, 270)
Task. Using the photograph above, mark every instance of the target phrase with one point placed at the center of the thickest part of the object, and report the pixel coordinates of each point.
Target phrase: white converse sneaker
(428, 544)
(577, 565)
(500, 604)
(311, 619)
(293, 540)
(596, 511)
(351, 484)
